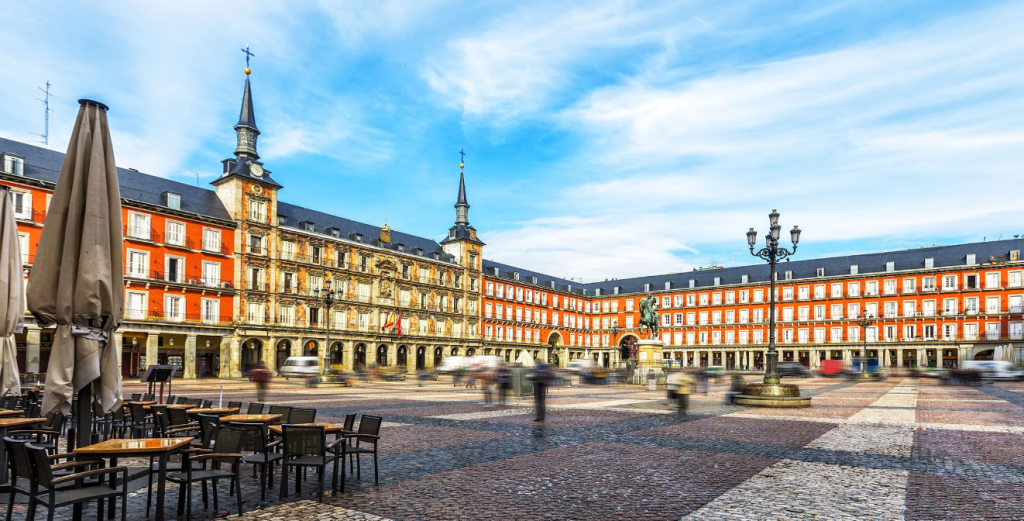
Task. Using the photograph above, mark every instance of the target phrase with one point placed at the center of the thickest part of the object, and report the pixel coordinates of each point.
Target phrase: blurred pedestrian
(261, 377)
(683, 387)
(486, 384)
(702, 379)
(503, 381)
(541, 377)
(736, 388)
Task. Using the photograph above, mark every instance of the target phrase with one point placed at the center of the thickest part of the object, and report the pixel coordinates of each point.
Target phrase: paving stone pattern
(897, 449)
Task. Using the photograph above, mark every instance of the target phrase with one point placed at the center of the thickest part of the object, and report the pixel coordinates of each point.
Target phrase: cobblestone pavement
(897, 449)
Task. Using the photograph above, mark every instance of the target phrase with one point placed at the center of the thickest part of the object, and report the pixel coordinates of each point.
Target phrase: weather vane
(247, 56)
(462, 162)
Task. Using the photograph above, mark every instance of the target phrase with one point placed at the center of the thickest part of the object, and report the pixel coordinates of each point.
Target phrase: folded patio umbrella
(12, 298)
(77, 281)
(526, 359)
(922, 359)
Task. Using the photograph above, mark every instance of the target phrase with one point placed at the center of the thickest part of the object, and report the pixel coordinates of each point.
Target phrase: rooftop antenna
(46, 114)
(197, 176)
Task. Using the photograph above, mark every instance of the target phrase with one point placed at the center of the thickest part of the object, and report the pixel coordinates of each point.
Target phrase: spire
(462, 206)
(245, 129)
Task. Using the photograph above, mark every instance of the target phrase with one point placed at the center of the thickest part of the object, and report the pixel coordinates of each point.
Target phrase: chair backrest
(255, 408)
(32, 411)
(304, 440)
(54, 421)
(208, 425)
(302, 415)
(194, 401)
(32, 396)
(148, 397)
(350, 421)
(160, 420)
(207, 404)
(118, 414)
(17, 454)
(228, 441)
(254, 437)
(136, 396)
(137, 411)
(235, 404)
(40, 465)
(9, 401)
(170, 399)
(369, 425)
(181, 400)
(284, 410)
(177, 416)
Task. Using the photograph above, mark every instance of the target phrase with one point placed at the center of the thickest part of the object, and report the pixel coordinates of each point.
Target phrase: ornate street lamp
(772, 393)
(326, 297)
(864, 322)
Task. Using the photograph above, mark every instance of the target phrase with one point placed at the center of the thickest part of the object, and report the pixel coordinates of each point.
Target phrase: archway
(421, 358)
(438, 356)
(555, 339)
(382, 355)
(284, 350)
(403, 357)
(311, 348)
(470, 352)
(359, 356)
(252, 353)
(455, 351)
(626, 347)
(987, 354)
(336, 352)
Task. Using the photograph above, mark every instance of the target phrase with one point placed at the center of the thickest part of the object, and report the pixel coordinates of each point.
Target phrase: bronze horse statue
(648, 316)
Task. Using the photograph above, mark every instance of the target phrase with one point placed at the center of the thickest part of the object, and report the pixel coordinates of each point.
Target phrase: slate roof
(505, 272)
(321, 221)
(868, 263)
(247, 116)
(44, 164)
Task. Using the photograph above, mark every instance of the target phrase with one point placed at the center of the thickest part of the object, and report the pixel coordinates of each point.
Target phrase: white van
(451, 364)
(300, 367)
(995, 369)
(580, 365)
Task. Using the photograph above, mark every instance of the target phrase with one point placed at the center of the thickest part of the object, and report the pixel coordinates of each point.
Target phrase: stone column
(236, 357)
(429, 356)
(563, 357)
(151, 349)
(190, 357)
(225, 357)
(899, 358)
(270, 353)
(32, 350)
(410, 359)
(347, 353)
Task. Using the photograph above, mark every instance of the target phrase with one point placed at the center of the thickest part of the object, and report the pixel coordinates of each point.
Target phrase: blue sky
(603, 139)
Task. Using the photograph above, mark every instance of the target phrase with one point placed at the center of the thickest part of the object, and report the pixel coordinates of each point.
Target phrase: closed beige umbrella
(77, 281)
(526, 359)
(12, 298)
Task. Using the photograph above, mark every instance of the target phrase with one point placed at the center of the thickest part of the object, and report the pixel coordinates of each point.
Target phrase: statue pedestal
(649, 354)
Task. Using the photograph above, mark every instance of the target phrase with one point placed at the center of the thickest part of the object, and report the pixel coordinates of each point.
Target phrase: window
(744, 295)
(316, 252)
(821, 272)
(14, 165)
(254, 313)
(256, 282)
(909, 285)
(288, 250)
(175, 269)
(138, 225)
(1016, 330)
(837, 290)
(257, 211)
(992, 330)
(23, 246)
(949, 332)
(853, 289)
(970, 331)
(211, 310)
(744, 279)
(174, 308)
(804, 293)
(289, 282)
(890, 310)
(909, 308)
(928, 284)
(136, 306)
(138, 264)
(971, 259)
(871, 288)
(787, 293)
(890, 333)
(211, 239)
(211, 273)
(1016, 304)
(992, 280)
(854, 269)
(173, 201)
(819, 291)
(949, 283)
(22, 205)
(175, 233)
(716, 299)
(629, 305)
(889, 287)
(992, 305)
(970, 281)
(255, 244)
(836, 334)
(890, 266)
(853, 310)
(1014, 279)
(928, 308)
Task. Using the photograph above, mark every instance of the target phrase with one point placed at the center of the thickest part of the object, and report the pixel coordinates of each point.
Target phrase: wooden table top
(250, 418)
(142, 402)
(329, 428)
(9, 412)
(213, 410)
(133, 446)
(170, 406)
(19, 422)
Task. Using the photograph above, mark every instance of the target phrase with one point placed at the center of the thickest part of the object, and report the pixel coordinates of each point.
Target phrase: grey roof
(322, 221)
(462, 191)
(44, 164)
(247, 117)
(506, 271)
(868, 263)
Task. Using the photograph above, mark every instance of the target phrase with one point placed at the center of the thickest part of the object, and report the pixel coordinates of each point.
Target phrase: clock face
(256, 170)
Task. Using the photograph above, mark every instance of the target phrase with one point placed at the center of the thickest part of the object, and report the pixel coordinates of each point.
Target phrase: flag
(389, 321)
(399, 325)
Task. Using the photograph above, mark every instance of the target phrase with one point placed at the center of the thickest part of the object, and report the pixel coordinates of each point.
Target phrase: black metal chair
(256, 440)
(350, 421)
(179, 418)
(284, 410)
(227, 447)
(45, 436)
(181, 400)
(49, 490)
(306, 446)
(301, 415)
(255, 408)
(170, 399)
(194, 401)
(208, 425)
(148, 397)
(141, 423)
(368, 433)
(235, 404)
(136, 397)
(207, 404)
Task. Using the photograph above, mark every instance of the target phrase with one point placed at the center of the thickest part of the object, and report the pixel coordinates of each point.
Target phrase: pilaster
(152, 349)
(190, 357)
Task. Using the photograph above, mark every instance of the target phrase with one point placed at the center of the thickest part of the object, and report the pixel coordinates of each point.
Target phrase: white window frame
(178, 240)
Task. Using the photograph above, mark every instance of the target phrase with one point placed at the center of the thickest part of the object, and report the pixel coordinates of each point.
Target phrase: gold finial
(247, 70)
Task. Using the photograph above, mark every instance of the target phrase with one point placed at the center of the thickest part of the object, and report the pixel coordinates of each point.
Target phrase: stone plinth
(649, 354)
(772, 395)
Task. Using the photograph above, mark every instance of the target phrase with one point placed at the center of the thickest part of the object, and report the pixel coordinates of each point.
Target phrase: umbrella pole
(83, 434)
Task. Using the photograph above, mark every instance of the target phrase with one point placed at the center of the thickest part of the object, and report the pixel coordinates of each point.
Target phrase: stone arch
(252, 353)
(359, 356)
(310, 348)
(281, 353)
(402, 356)
(382, 355)
(335, 352)
(624, 349)
(438, 355)
(421, 358)
(987, 354)
(555, 339)
(470, 351)
(455, 351)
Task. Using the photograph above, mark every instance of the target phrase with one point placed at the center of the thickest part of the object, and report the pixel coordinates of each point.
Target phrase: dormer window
(306, 225)
(451, 233)
(282, 220)
(971, 259)
(172, 200)
(693, 283)
(890, 266)
(854, 269)
(14, 165)
(929, 263)
(744, 279)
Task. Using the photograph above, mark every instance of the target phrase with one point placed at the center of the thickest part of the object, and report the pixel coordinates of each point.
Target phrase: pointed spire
(462, 190)
(462, 206)
(247, 118)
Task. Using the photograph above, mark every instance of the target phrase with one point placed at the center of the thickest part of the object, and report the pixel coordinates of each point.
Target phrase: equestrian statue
(649, 315)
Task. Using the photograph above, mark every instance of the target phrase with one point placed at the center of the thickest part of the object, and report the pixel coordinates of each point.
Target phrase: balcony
(255, 285)
(193, 318)
(255, 249)
(215, 247)
(140, 233)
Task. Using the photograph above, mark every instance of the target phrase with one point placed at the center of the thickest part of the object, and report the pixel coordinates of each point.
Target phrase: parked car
(300, 367)
(792, 369)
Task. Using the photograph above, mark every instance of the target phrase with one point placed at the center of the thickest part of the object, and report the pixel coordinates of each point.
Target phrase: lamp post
(326, 297)
(772, 254)
(864, 322)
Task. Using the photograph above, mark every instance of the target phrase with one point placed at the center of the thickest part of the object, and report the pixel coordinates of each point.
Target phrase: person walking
(486, 382)
(681, 385)
(541, 378)
(503, 381)
(261, 377)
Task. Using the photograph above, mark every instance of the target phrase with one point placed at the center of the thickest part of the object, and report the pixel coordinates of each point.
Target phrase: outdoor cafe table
(7, 423)
(250, 418)
(329, 428)
(142, 402)
(213, 410)
(170, 406)
(160, 448)
(7, 412)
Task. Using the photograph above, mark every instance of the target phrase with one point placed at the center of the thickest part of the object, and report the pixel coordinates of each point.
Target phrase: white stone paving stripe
(480, 415)
(900, 403)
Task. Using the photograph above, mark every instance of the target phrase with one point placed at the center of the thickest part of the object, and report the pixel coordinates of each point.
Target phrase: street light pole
(864, 322)
(772, 254)
(326, 296)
